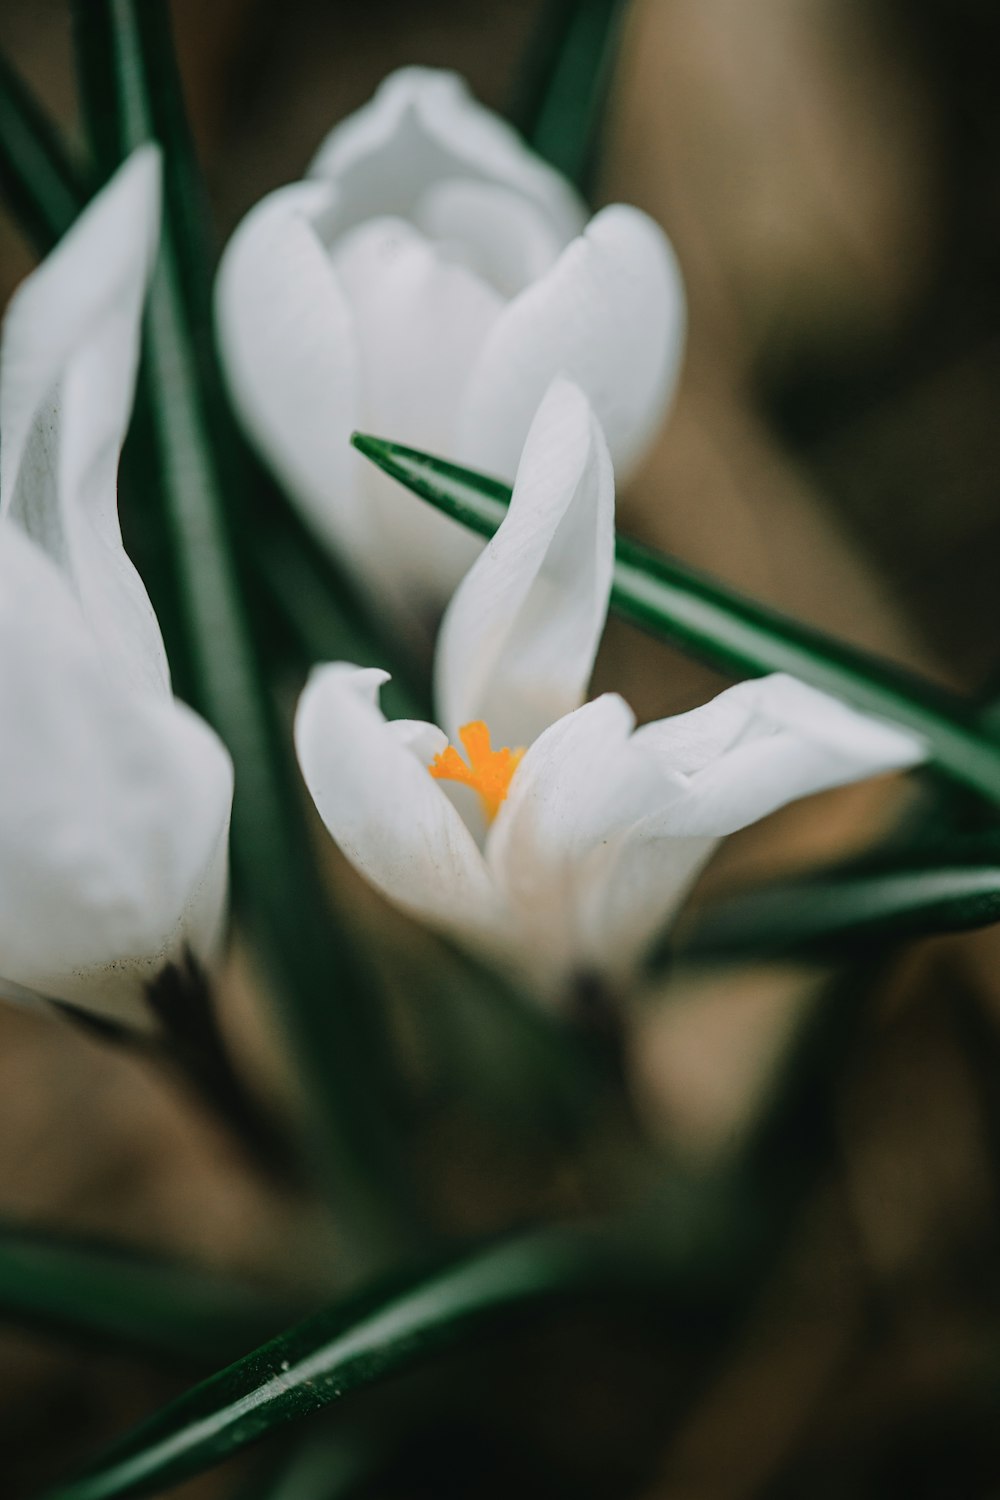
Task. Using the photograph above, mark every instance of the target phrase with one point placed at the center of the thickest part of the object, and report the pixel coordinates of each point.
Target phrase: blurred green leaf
(559, 99)
(108, 1295)
(132, 94)
(337, 1353)
(509, 1061)
(837, 912)
(709, 620)
(325, 1466)
(39, 180)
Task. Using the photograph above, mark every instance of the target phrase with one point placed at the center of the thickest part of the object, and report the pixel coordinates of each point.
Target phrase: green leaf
(712, 621)
(107, 1295)
(836, 912)
(326, 1466)
(133, 94)
(508, 1060)
(560, 99)
(39, 180)
(335, 1354)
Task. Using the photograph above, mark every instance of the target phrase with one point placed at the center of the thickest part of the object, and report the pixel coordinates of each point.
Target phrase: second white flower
(427, 282)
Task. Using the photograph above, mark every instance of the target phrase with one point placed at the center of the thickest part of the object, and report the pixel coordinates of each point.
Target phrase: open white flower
(114, 797)
(586, 833)
(427, 281)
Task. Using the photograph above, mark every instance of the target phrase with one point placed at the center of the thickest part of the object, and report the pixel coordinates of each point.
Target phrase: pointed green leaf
(107, 1295)
(716, 623)
(334, 1354)
(560, 98)
(840, 911)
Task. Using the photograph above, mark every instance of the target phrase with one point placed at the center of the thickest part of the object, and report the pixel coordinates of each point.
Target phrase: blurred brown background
(828, 171)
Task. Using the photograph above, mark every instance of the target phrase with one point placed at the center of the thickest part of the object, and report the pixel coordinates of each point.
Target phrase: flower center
(488, 771)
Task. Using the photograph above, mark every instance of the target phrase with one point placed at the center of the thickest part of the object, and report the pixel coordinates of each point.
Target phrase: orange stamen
(488, 772)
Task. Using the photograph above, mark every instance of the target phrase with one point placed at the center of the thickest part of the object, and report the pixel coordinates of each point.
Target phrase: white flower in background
(426, 282)
(114, 797)
(586, 833)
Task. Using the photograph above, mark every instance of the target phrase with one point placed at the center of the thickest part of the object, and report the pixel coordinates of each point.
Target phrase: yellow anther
(488, 771)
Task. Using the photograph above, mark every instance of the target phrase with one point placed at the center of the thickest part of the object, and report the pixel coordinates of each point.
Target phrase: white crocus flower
(427, 281)
(586, 833)
(114, 797)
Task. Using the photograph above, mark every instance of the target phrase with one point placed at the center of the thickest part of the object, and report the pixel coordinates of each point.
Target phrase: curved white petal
(571, 792)
(67, 376)
(586, 893)
(289, 350)
(420, 319)
(114, 809)
(633, 887)
(422, 739)
(576, 783)
(610, 315)
(764, 743)
(384, 810)
(604, 831)
(423, 125)
(518, 640)
(496, 231)
(752, 749)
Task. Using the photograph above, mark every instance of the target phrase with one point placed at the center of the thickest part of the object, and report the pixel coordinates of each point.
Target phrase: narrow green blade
(560, 98)
(334, 1354)
(839, 912)
(106, 1295)
(716, 623)
(130, 85)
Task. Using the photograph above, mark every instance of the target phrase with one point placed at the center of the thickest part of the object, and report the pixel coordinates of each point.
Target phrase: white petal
(604, 832)
(421, 739)
(556, 811)
(420, 320)
(732, 761)
(289, 350)
(584, 895)
(635, 886)
(385, 812)
(567, 791)
(496, 231)
(70, 350)
(114, 809)
(764, 743)
(422, 125)
(518, 640)
(610, 315)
